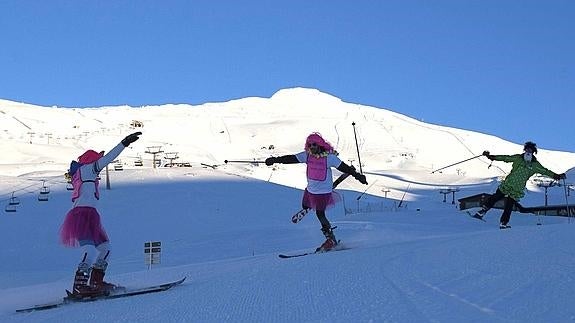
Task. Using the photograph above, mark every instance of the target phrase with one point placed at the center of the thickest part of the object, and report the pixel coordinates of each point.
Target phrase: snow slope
(223, 227)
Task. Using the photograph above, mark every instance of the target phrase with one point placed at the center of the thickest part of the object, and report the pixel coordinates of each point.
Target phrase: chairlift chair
(10, 208)
(45, 189)
(14, 200)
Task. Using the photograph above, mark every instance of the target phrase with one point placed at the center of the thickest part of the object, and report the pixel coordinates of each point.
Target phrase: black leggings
(323, 219)
(509, 202)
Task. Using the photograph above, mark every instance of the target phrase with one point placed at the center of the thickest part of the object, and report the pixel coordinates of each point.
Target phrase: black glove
(360, 177)
(270, 161)
(559, 176)
(488, 155)
(131, 138)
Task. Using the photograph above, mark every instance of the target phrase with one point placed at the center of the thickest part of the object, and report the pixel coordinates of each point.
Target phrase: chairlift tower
(446, 191)
(546, 184)
(154, 150)
(385, 191)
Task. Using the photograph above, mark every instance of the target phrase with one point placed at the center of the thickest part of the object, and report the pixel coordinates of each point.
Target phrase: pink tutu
(82, 226)
(319, 202)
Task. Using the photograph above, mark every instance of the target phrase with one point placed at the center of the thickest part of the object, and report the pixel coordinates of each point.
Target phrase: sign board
(152, 253)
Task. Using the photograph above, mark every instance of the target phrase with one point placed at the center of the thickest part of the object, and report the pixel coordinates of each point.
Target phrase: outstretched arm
(503, 158)
(115, 152)
(345, 168)
(287, 159)
(544, 171)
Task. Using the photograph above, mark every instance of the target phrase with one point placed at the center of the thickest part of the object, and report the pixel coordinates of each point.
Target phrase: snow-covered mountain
(45, 138)
(224, 226)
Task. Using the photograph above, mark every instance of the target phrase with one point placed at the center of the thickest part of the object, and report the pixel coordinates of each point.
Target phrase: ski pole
(401, 202)
(357, 148)
(463, 161)
(360, 195)
(567, 201)
(245, 161)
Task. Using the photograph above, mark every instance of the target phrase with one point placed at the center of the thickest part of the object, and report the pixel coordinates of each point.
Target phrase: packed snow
(412, 255)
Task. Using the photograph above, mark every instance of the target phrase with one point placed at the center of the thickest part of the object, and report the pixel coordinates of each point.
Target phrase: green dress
(521, 170)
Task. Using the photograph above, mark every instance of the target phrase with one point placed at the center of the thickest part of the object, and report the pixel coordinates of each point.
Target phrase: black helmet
(531, 146)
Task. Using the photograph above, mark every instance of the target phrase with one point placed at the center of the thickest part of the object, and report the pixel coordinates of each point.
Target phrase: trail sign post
(152, 253)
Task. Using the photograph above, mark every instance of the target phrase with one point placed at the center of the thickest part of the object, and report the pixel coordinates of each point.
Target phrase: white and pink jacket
(85, 180)
(319, 175)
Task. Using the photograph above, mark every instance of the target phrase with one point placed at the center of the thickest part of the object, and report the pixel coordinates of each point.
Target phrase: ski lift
(45, 189)
(10, 208)
(14, 200)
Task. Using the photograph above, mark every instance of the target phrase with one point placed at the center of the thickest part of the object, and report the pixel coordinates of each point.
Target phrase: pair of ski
(302, 213)
(120, 294)
(338, 247)
(475, 216)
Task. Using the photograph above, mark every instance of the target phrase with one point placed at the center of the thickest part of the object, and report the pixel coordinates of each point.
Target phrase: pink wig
(89, 156)
(316, 138)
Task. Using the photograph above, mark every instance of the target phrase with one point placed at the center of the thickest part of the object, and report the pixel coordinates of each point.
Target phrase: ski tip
(177, 282)
(38, 308)
(295, 255)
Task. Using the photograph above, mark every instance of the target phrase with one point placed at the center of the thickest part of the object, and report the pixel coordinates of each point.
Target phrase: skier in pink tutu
(320, 157)
(82, 226)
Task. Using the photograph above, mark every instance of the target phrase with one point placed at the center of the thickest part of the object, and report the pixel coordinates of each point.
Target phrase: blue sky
(501, 67)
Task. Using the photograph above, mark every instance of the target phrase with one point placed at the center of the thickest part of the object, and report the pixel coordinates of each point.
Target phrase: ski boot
(97, 278)
(330, 240)
(81, 289)
(504, 226)
(479, 215)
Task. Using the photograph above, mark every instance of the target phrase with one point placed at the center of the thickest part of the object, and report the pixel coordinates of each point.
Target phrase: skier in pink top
(320, 157)
(82, 226)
